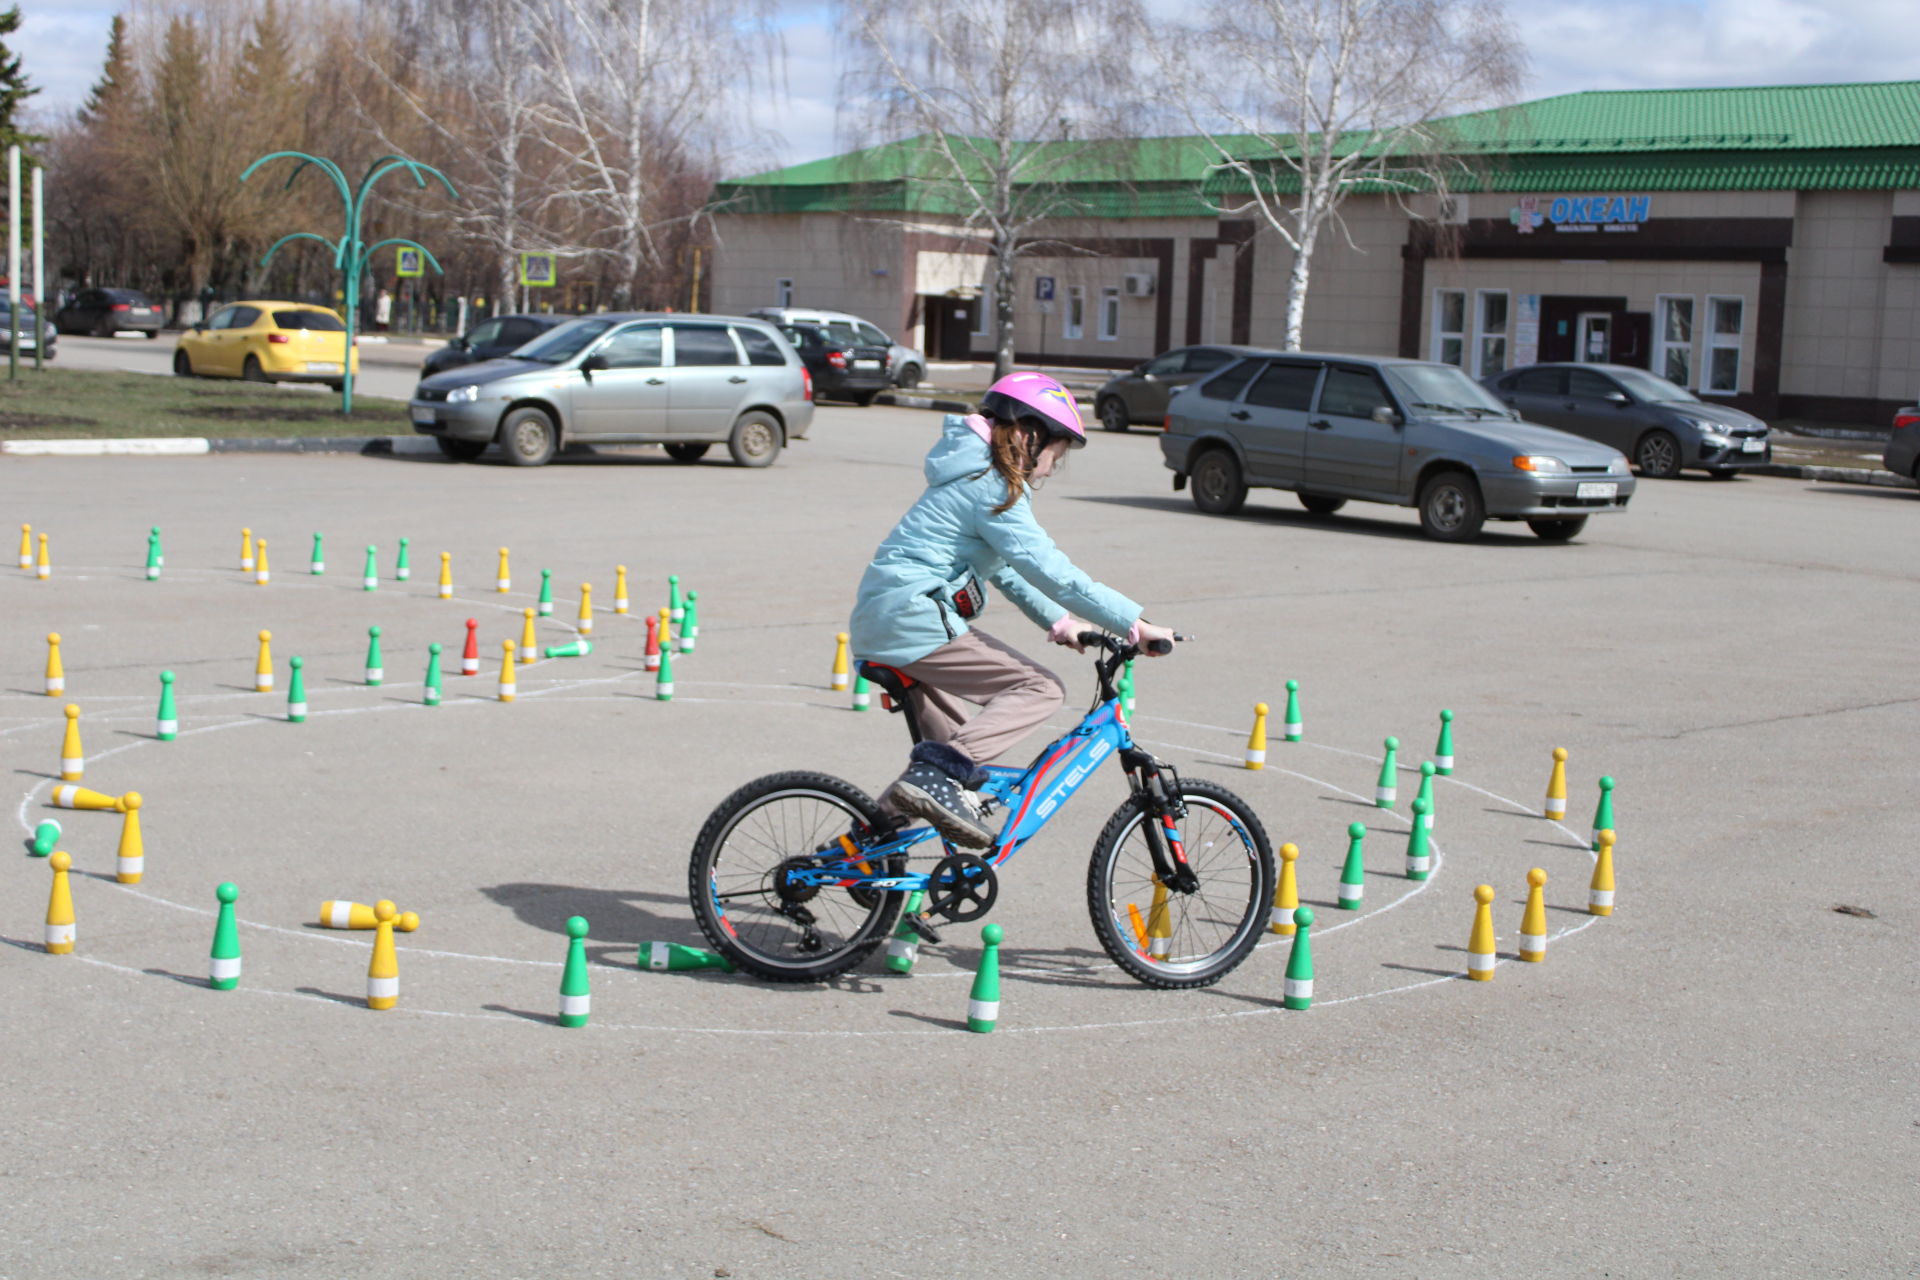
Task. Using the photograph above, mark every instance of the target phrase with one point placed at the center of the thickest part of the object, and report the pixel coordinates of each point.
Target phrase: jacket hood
(960, 452)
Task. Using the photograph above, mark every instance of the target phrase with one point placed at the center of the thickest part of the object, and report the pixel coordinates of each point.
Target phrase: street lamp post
(350, 253)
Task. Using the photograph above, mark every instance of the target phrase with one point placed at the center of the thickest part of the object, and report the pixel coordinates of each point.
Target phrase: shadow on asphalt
(950, 1024)
(546, 1018)
(1497, 534)
(1414, 968)
(185, 979)
(1864, 491)
(616, 916)
(358, 1002)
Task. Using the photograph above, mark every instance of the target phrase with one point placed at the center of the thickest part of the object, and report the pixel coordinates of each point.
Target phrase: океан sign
(1581, 213)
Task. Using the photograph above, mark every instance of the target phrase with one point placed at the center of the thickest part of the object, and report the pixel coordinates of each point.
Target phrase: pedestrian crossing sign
(537, 270)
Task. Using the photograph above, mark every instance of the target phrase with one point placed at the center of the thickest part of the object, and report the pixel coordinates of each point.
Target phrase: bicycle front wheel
(1192, 939)
(741, 894)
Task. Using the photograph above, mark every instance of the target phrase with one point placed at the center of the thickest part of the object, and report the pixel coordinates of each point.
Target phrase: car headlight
(1619, 466)
(462, 395)
(1539, 463)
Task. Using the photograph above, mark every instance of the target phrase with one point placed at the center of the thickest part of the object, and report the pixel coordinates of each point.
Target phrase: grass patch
(65, 404)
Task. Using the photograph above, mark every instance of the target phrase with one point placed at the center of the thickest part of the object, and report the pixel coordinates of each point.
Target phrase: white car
(908, 365)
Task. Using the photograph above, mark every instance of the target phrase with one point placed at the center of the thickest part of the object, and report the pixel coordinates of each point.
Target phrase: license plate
(322, 366)
(1597, 489)
(1753, 446)
(866, 364)
(424, 417)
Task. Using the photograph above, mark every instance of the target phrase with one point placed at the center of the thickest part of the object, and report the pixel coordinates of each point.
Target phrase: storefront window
(1490, 351)
(1450, 326)
(1726, 321)
(1074, 322)
(983, 312)
(1109, 314)
(1673, 340)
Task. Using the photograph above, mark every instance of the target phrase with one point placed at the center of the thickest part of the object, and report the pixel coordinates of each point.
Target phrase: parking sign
(1043, 289)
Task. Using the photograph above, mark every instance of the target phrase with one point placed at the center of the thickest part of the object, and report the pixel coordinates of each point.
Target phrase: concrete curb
(178, 446)
(1835, 475)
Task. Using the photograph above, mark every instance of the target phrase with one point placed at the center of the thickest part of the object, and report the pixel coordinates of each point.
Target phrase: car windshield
(1442, 389)
(1652, 388)
(563, 342)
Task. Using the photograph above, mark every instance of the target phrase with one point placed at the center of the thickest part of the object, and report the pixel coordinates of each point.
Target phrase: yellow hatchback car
(267, 342)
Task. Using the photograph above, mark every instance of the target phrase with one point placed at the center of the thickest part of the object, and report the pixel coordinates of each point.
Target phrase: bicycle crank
(963, 887)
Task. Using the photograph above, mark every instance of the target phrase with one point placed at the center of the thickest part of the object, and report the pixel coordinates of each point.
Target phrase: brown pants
(1015, 695)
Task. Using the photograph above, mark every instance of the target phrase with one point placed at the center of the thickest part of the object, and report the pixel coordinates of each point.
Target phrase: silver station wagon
(683, 381)
(1335, 428)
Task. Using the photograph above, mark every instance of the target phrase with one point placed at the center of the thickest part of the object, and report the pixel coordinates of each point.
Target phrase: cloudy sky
(1574, 45)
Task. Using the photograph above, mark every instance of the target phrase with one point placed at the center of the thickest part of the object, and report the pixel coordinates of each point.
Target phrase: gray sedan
(1142, 392)
(686, 382)
(1661, 426)
(1334, 428)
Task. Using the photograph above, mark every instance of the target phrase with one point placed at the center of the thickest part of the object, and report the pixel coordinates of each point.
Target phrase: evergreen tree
(14, 89)
(111, 93)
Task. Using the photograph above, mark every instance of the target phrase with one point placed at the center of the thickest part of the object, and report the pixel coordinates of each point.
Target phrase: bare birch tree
(1306, 102)
(639, 93)
(1001, 104)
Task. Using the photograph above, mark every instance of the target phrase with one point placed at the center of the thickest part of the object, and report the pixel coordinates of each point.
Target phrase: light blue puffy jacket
(952, 531)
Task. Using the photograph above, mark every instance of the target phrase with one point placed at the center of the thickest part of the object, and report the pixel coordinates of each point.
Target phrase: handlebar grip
(1159, 647)
(1093, 638)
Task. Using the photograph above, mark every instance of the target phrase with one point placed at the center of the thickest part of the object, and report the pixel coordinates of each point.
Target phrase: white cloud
(1661, 44)
(62, 47)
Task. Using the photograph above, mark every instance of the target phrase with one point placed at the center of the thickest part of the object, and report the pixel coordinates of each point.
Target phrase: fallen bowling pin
(341, 914)
(70, 796)
(674, 956)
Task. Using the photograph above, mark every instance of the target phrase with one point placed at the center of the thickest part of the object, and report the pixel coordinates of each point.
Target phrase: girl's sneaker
(955, 812)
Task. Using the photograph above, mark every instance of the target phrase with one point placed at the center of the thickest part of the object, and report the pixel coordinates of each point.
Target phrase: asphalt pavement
(1718, 1079)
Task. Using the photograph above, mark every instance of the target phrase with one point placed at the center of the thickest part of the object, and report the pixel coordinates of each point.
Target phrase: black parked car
(842, 368)
(1661, 426)
(488, 340)
(1903, 446)
(105, 312)
(1141, 394)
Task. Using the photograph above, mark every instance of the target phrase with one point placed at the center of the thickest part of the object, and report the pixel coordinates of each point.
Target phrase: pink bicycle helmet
(1035, 395)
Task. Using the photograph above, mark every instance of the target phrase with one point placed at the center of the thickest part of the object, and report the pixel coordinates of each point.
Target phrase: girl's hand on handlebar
(1146, 634)
(1067, 632)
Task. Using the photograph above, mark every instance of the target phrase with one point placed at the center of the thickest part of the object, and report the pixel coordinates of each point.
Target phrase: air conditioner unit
(1139, 285)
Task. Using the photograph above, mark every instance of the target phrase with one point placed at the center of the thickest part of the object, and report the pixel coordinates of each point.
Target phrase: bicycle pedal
(927, 932)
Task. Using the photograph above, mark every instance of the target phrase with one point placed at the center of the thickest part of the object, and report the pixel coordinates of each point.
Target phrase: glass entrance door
(1595, 338)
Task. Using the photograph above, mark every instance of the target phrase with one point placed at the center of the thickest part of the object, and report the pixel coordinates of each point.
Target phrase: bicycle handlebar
(1114, 645)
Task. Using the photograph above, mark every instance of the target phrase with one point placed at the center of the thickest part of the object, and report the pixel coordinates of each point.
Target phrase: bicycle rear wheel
(1195, 939)
(746, 906)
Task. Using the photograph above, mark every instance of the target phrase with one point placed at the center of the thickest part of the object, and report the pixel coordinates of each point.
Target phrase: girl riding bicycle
(924, 586)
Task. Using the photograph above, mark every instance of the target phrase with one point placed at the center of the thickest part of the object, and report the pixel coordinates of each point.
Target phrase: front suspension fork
(1163, 840)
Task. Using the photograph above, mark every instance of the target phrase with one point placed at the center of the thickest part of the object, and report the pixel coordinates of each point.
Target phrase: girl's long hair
(1015, 447)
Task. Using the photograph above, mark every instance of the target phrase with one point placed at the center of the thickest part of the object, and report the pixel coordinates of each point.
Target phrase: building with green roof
(1759, 246)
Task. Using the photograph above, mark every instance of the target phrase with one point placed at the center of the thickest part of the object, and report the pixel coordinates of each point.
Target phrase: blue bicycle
(797, 877)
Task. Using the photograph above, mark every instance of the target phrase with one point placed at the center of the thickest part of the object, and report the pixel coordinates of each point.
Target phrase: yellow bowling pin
(67, 796)
(263, 665)
(506, 671)
(620, 588)
(246, 551)
(585, 625)
(446, 575)
(1533, 921)
(56, 674)
(1257, 740)
(73, 761)
(383, 971)
(529, 643)
(1557, 785)
(1287, 896)
(131, 861)
(840, 662)
(503, 581)
(43, 567)
(260, 571)
(1480, 956)
(1159, 924)
(1600, 892)
(60, 907)
(357, 915)
(26, 546)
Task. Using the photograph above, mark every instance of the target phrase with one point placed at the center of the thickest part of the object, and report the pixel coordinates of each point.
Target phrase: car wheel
(755, 441)
(1113, 414)
(1321, 504)
(153, 334)
(103, 329)
(336, 387)
(1657, 455)
(252, 372)
(528, 438)
(1451, 509)
(910, 376)
(1722, 473)
(461, 450)
(865, 398)
(1218, 487)
(687, 452)
(182, 366)
(1558, 530)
